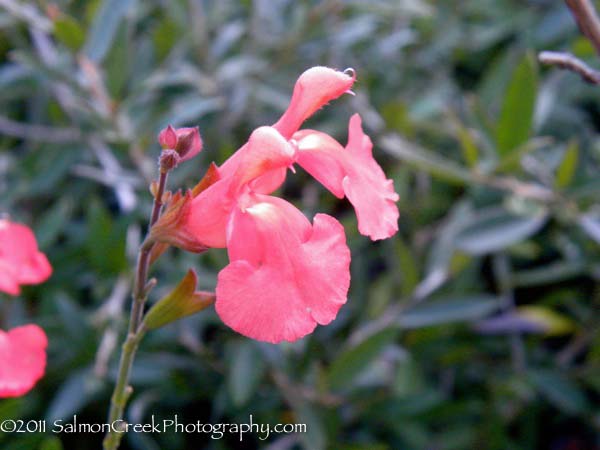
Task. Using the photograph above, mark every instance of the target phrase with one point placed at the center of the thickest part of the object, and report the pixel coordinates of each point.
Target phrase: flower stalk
(136, 331)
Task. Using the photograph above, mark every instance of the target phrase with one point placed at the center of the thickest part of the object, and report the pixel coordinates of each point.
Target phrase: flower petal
(189, 143)
(22, 359)
(260, 164)
(314, 89)
(20, 259)
(285, 276)
(354, 172)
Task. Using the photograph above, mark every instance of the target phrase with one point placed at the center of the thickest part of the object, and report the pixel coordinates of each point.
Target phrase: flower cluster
(22, 349)
(286, 274)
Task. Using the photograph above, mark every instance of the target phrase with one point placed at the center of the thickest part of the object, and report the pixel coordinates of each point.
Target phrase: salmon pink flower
(354, 173)
(22, 359)
(285, 274)
(22, 349)
(20, 260)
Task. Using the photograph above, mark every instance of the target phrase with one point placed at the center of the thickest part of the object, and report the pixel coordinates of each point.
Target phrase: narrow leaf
(104, 28)
(559, 390)
(495, 229)
(183, 301)
(516, 117)
(450, 310)
(568, 165)
(353, 361)
(245, 373)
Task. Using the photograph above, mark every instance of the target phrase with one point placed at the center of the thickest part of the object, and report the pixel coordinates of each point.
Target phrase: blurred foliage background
(475, 327)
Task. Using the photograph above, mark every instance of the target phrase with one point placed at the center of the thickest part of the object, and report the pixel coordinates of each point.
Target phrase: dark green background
(475, 327)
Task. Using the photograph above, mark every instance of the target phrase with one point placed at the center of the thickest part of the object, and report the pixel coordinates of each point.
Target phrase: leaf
(494, 229)
(105, 240)
(467, 143)
(164, 37)
(346, 367)
(68, 31)
(559, 390)
(315, 436)
(591, 225)
(245, 372)
(516, 117)
(450, 310)
(51, 443)
(104, 28)
(181, 302)
(551, 322)
(426, 160)
(80, 388)
(409, 266)
(568, 165)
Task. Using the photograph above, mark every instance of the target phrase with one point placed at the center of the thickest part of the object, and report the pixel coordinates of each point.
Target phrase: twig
(572, 63)
(38, 132)
(587, 20)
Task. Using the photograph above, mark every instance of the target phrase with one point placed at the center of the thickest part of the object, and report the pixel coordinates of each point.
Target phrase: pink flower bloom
(22, 359)
(354, 173)
(285, 275)
(20, 260)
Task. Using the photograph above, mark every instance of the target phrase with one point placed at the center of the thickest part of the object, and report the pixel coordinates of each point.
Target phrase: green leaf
(245, 372)
(467, 144)
(516, 116)
(51, 443)
(568, 165)
(181, 302)
(425, 160)
(494, 229)
(106, 240)
(559, 390)
(450, 310)
(315, 437)
(79, 389)
(104, 28)
(164, 37)
(346, 367)
(551, 322)
(409, 266)
(68, 31)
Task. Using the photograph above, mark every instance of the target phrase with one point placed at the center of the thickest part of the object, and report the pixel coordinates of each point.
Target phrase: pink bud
(189, 143)
(167, 138)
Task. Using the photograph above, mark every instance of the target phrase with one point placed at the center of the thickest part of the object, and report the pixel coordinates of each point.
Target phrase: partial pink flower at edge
(353, 172)
(285, 275)
(21, 262)
(22, 359)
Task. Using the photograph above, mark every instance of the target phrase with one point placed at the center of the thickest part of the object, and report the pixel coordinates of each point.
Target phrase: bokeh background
(475, 327)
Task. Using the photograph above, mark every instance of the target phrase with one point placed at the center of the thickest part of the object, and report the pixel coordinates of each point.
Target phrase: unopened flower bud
(189, 143)
(167, 138)
(185, 141)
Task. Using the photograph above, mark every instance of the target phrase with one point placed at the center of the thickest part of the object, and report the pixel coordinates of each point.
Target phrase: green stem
(135, 332)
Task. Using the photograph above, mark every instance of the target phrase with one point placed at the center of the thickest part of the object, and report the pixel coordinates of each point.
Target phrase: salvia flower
(21, 262)
(22, 359)
(286, 274)
(22, 349)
